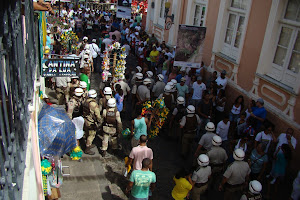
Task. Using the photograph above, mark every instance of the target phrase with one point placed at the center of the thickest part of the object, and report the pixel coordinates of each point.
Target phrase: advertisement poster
(124, 9)
(60, 67)
(189, 48)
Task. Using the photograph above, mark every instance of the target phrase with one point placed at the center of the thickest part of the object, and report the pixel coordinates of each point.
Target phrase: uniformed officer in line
(149, 75)
(104, 84)
(189, 125)
(138, 70)
(62, 91)
(107, 92)
(75, 102)
(143, 92)
(235, 177)
(85, 95)
(200, 177)
(112, 126)
(73, 85)
(255, 188)
(205, 142)
(168, 97)
(159, 86)
(177, 115)
(217, 157)
(92, 119)
(174, 88)
(137, 82)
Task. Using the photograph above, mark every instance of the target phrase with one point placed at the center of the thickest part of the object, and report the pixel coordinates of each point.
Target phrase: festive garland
(76, 153)
(46, 170)
(69, 41)
(119, 68)
(160, 111)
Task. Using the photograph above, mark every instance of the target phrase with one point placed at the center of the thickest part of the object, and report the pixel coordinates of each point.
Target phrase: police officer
(143, 91)
(107, 92)
(73, 85)
(174, 88)
(149, 75)
(104, 84)
(200, 177)
(92, 119)
(138, 70)
(235, 176)
(189, 125)
(205, 142)
(137, 82)
(177, 115)
(85, 94)
(75, 102)
(159, 86)
(217, 155)
(168, 97)
(255, 188)
(112, 126)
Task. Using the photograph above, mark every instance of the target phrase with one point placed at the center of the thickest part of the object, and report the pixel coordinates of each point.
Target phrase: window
(286, 61)
(235, 28)
(199, 16)
(162, 9)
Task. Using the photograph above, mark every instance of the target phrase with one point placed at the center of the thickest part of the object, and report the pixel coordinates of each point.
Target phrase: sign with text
(60, 67)
(189, 48)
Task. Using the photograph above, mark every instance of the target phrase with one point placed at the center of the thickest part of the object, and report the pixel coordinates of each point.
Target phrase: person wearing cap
(196, 92)
(235, 176)
(138, 81)
(112, 126)
(143, 91)
(149, 75)
(62, 91)
(181, 74)
(138, 69)
(83, 85)
(104, 84)
(222, 80)
(83, 43)
(168, 97)
(258, 112)
(84, 76)
(95, 51)
(73, 85)
(159, 86)
(92, 120)
(205, 142)
(177, 114)
(107, 94)
(182, 89)
(75, 102)
(200, 177)
(254, 192)
(189, 124)
(153, 57)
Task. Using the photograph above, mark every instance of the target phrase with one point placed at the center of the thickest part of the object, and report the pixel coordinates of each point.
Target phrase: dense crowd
(225, 151)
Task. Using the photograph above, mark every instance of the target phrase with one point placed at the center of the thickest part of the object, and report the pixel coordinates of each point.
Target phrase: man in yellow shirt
(154, 57)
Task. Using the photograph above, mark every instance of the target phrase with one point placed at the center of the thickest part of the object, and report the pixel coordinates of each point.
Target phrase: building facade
(256, 42)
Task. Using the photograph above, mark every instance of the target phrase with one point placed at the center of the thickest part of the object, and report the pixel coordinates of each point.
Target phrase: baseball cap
(94, 40)
(182, 79)
(224, 72)
(260, 100)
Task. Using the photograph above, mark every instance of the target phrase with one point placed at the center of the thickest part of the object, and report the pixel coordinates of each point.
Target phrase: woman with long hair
(183, 185)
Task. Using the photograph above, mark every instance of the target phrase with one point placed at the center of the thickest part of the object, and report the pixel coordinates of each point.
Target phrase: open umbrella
(56, 131)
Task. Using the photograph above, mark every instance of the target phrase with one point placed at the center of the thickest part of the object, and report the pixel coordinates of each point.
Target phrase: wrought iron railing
(17, 73)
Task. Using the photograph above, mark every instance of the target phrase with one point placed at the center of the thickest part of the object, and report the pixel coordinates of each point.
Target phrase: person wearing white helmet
(182, 89)
(174, 89)
(200, 177)
(92, 119)
(104, 84)
(75, 102)
(168, 97)
(138, 69)
(107, 92)
(177, 114)
(217, 155)
(112, 126)
(205, 142)
(159, 86)
(73, 85)
(143, 92)
(149, 75)
(84, 85)
(235, 176)
(254, 192)
(138, 81)
(189, 124)
(84, 76)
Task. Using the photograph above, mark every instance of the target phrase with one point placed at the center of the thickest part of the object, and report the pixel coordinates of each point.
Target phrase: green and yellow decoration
(46, 170)
(76, 153)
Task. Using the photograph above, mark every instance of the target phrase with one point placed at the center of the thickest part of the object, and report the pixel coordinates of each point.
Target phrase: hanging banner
(189, 48)
(60, 67)
(124, 9)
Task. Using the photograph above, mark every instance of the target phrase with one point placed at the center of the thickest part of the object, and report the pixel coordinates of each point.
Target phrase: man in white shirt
(222, 81)
(197, 90)
(267, 136)
(287, 138)
(222, 131)
(107, 41)
(62, 93)
(95, 51)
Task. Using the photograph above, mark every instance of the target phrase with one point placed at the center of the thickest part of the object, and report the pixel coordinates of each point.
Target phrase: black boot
(89, 151)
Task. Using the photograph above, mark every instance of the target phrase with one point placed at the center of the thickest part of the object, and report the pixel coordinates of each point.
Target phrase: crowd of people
(224, 151)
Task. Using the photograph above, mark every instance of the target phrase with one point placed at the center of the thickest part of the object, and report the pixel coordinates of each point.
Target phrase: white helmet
(85, 56)
(149, 74)
(168, 88)
(190, 109)
(146, 81)
(78, 92)
(203, 160)
(174, 81)
(111, 102)
(171, 84)
(180, 100)
(83, 84)
(139, 76)
(139, 68)
(255, 187)
(87, 51)
(160, 77)
(93, 93)
(217, 140)
(85, 38)
(238, 154)
(107, 91)
(210, 126)
(87, 46)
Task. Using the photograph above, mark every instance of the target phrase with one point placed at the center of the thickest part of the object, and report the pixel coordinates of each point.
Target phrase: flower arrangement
(76, 153)
(69, 41)
(46, 170)
(160, 111)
